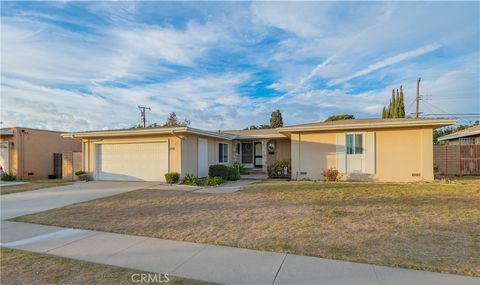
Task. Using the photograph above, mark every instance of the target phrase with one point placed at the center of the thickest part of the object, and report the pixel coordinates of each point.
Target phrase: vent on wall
(30, 173)
(415, 174)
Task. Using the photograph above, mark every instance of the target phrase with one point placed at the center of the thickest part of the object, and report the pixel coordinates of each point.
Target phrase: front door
(247, 154)
(258, 163)
(354, 149)
(202, 157)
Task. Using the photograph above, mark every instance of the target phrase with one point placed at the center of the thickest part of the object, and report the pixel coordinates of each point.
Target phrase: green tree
(339, 117)
(258, 127)
(276, 120)
(173, 121)
(396, 107)
(384, 113)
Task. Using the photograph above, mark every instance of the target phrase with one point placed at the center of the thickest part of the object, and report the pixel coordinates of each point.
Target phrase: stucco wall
(401, 154)
(190, 153)
(33, 151)
(282, 150)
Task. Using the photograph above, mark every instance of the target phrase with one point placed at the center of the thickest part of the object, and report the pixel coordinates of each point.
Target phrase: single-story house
(361, 149)
(469, 135)
(34, 154)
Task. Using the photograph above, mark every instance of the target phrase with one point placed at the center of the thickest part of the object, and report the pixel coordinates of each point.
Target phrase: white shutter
(340, 152)
(370, 153)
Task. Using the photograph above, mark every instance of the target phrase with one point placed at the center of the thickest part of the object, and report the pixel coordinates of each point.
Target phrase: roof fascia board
(369, 125)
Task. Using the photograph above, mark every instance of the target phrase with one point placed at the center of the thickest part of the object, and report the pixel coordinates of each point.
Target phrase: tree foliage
(276, 120)
(340, 117)
(258, 127)
(173, 121)
(396, 108)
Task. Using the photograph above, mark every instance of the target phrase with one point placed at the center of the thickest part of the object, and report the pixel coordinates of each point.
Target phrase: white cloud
(387, 62)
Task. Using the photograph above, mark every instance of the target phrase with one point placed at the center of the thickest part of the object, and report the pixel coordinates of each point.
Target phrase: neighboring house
(34, 154)
(467, 136)
(361, 149)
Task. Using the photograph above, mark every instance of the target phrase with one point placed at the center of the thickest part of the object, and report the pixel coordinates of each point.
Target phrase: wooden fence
(456, 159)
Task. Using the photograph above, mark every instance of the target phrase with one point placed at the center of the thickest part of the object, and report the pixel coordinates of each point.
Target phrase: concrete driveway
(24, 203)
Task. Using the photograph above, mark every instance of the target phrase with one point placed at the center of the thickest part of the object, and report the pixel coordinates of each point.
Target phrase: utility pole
(142, 114)
(418, 98)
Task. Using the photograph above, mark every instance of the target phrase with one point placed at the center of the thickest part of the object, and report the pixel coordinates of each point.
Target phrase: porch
(256, 154)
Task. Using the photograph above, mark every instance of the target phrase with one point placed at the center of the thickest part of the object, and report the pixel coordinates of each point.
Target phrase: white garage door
(4, 156)
(132, 161)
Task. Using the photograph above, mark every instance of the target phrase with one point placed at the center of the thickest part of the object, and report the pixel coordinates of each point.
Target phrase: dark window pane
(220, 152)
(359, 144)
(349, 144)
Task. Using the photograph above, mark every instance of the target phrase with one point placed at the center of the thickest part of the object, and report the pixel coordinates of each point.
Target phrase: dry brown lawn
(21, 267)
(431, 227)
(32, 185)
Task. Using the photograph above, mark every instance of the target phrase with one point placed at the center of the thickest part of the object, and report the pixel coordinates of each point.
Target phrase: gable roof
(353, 124)
(468, 132)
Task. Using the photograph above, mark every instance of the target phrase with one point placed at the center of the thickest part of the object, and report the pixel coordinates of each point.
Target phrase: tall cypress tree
(401, 112)
(391, 108)
(384, 113)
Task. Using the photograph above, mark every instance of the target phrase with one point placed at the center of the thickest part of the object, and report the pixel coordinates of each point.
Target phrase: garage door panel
(132, 161)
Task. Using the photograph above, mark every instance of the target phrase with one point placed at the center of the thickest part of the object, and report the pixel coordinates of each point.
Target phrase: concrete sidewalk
(227, 188)
(219, 264)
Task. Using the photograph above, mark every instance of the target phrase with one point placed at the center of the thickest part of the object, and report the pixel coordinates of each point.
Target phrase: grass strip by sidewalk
(32, 185)
(21, 267)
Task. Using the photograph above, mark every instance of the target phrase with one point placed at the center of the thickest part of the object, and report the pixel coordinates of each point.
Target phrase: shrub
(213, 180)
(81, 172)
(8, 177)
(219, 170)
(240, 168)
(233, 173)
(172, 177)
(191, 179)
(330, 174)
(279, 169)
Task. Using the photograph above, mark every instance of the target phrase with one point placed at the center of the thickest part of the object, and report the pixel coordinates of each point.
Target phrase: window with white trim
(222, 153)
(354, 143)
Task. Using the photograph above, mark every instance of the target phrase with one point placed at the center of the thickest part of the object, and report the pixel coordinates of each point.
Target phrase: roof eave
(426, 123)
(457, 136)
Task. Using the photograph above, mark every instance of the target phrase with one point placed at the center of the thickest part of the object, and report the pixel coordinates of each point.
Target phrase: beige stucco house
(361, 149)
(34, 154)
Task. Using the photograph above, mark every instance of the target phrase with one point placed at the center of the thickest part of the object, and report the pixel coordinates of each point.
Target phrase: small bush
(172, 177)
(233, 173)
(8, 177)
(279, 169)
(330, 174)
(239, 166)
(219, 170)
(191, 179)
(213, 180)
(81, 172)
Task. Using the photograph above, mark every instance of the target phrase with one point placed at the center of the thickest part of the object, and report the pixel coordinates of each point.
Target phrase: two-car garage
(132, 161)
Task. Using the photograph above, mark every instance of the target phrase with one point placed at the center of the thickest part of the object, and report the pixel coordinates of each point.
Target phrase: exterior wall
(283, 150)
(71, 163)
(175, 148)
(400, 154)
(190, 153)
(312, 152)
(33, 150)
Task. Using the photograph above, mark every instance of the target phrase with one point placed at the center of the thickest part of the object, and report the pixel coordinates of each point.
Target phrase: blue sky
(223, 65)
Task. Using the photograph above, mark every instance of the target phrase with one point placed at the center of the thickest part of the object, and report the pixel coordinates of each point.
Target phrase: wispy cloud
(387, 62)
